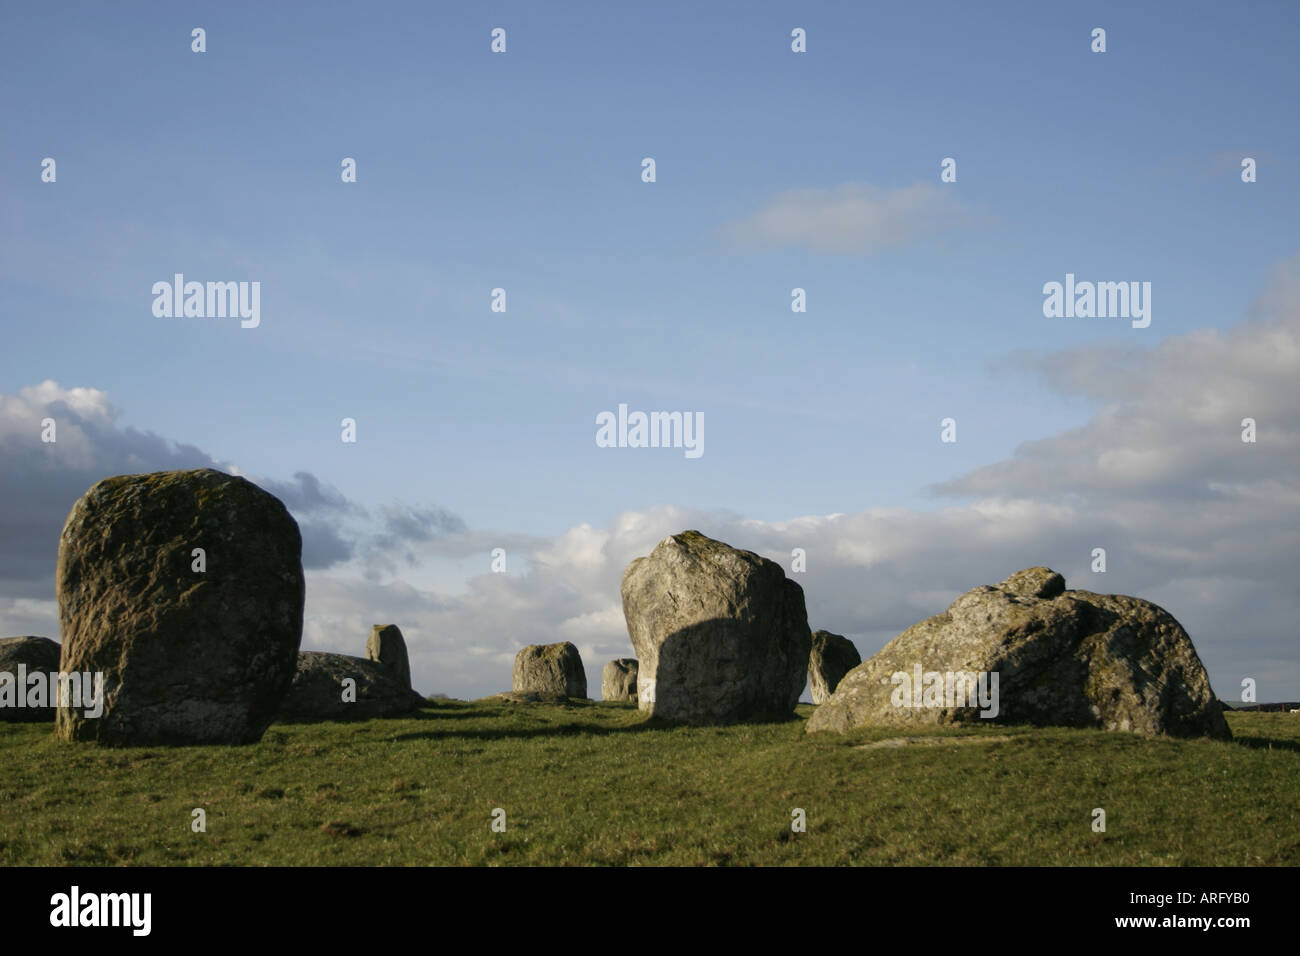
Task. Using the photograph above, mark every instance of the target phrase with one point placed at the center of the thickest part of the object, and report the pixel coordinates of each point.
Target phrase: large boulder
(832, 657)
(618, 679)
(21, 657)
(387, 646)
(550, 669)
(319, 692)
(721, 635)
(1063, 658)
(188, 656)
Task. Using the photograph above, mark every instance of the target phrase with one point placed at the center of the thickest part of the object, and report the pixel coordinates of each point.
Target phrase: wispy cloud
(852, 219)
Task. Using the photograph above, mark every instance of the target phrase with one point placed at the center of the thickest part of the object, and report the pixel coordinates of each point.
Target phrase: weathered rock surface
(387, 646)
(618, 679)
(832, 657)
(721, 635)
(1064, 658)
(318, 690)
(35, 655)
(550, 669)
(188, 656)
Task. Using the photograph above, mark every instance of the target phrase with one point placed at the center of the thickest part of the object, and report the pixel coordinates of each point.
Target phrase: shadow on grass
(346, 719)
(568, 728)
(469, 713)
(424, 713)
(1267, 743)
(505, 733)
(566, 717)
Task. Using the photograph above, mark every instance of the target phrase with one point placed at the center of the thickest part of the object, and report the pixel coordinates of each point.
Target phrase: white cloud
(22, 617)
(598, 626)
(854, 218)
(40, 481)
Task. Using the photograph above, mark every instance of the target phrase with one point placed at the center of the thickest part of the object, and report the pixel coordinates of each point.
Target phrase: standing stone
(386, 645)
(1062, 658)
(21, 657)
(721, 635)
(188, 656)
(832, 657)
(618, 679)
(550, 669)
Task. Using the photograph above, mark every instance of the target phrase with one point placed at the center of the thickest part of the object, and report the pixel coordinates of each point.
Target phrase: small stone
(618, 679)
(832, 657)
(317, 692)
(387, 646)
(36, 655)
(554, 669)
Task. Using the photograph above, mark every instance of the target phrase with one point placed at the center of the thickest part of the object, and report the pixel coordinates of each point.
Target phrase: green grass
(597, 784)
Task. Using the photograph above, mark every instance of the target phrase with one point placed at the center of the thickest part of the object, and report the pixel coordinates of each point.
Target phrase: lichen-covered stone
(550, 669)
(832, 657)
(720, 634)
(618, 679)
(318, 690)
(1064, 658)
(387, 646)
(188, 656)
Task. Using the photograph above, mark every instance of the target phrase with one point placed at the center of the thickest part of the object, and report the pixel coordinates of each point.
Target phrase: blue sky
(522, 171)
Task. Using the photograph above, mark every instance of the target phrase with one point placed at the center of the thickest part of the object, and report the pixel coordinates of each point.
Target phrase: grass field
(596, 784)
